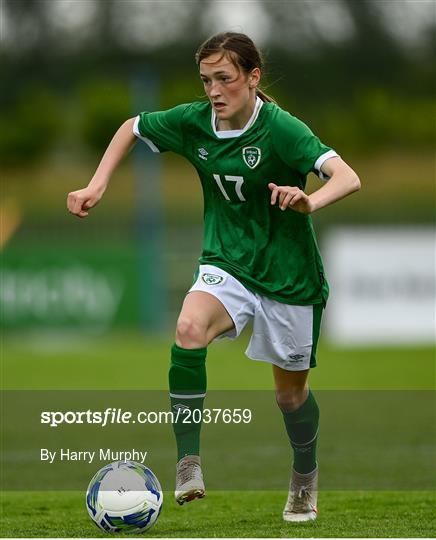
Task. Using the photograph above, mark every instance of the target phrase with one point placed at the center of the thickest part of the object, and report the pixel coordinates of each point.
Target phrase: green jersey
(273, 253)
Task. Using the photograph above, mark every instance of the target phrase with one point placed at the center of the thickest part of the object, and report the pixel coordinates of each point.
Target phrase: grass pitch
(232, 514)
(44, 362)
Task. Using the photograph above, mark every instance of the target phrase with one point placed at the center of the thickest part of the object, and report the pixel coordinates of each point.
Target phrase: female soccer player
(260, 260)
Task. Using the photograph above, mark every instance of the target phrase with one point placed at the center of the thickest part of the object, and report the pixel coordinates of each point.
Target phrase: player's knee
(291, 399)
(190, 333)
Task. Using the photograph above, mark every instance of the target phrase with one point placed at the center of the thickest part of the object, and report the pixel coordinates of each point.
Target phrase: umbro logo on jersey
(203, 153)
(211, 279)
(296, 357)
(251, 155)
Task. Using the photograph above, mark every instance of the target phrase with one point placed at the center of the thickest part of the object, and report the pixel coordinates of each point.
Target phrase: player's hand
(290, 197)
(82, 200)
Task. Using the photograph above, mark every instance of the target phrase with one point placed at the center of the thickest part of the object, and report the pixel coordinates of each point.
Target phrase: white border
(227, 134)
(145, 139)
(320, 162)
(187, 396)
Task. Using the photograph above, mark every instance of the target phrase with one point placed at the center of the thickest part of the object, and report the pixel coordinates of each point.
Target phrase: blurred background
(360, 73)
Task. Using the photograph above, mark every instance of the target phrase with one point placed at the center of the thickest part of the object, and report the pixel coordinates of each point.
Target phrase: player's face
(230, 90)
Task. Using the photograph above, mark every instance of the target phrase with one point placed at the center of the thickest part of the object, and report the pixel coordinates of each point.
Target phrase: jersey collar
(237, 132)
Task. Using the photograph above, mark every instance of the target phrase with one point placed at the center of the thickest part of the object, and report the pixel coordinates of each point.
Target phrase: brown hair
(241, 50)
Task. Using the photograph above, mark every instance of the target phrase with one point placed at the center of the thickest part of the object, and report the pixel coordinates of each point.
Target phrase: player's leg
(301, 416)
(202, 318)
(287, 336)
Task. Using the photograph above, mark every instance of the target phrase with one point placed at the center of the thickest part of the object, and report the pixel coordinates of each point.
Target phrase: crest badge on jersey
(211, 279)
(251, 155)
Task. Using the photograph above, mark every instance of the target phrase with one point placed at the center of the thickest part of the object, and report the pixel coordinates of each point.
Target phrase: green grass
(71, 361)
(233, 514)
(44, 361)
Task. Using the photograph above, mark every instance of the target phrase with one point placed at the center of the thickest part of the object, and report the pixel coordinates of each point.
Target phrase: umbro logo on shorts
(296, 357)
(211, 279)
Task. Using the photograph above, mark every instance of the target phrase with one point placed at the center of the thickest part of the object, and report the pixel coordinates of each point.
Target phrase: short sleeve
(298, 147)
(162, 130)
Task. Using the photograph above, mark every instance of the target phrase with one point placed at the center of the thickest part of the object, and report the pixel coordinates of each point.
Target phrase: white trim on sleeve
(145, 139)
(320, 162)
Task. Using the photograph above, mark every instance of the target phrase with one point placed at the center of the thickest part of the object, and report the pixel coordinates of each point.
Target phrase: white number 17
(239, 180)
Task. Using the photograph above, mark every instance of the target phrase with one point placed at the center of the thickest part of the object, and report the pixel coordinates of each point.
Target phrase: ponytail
(265, 97)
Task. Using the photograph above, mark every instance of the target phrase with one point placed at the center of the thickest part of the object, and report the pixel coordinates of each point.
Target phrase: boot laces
(188, 470)
(301, 500)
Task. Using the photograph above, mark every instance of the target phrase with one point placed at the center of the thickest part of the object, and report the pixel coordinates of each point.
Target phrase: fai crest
(211, 279)
(251, 155)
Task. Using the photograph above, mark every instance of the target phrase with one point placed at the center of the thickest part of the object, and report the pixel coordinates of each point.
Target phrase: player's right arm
(81, 201)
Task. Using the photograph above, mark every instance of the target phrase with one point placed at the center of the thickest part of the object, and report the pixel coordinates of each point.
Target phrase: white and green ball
(124, 496)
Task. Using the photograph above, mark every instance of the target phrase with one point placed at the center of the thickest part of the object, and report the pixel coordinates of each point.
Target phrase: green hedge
(29, 127)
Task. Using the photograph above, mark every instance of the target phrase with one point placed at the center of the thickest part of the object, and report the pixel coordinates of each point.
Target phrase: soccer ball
(124, 496)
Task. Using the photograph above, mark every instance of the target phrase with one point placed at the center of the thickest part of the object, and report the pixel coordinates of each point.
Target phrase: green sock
(302, 427)
(187, 380)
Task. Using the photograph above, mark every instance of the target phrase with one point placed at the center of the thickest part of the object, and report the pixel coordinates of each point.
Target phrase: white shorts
(284, 335)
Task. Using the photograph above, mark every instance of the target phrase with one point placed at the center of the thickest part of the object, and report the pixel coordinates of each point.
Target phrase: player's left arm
(343, 181)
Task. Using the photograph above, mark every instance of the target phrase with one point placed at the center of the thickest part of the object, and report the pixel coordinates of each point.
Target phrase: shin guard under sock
(302, 427)
(187, 381)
